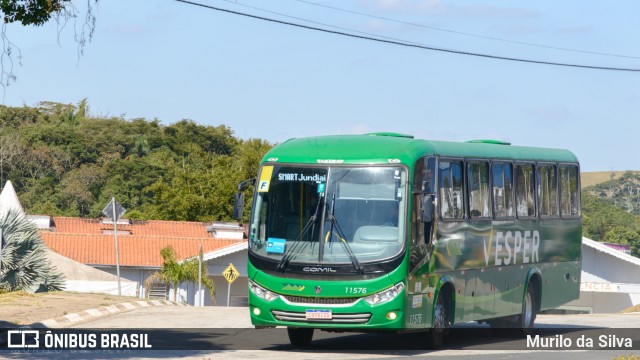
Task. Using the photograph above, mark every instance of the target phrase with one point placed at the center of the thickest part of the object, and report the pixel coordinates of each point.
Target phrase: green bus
(384, 232)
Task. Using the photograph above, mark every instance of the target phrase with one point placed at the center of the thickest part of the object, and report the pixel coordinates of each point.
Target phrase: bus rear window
(569, 204)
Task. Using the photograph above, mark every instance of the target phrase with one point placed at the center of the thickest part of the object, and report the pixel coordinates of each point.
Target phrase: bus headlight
(261, 292)
(384, 296)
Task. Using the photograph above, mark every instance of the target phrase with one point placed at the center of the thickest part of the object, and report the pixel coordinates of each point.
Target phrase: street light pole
(200, 275)
(114, 211)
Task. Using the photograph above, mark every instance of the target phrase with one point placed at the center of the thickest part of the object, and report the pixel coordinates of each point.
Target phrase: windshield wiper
(342, 238)
(291, 252)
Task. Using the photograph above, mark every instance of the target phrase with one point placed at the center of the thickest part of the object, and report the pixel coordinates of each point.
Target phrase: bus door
(422, 227)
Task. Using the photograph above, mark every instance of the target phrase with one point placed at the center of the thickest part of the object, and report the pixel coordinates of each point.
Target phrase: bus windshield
(329, 215)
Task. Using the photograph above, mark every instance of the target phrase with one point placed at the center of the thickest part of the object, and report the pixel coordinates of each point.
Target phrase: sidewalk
(92, 314)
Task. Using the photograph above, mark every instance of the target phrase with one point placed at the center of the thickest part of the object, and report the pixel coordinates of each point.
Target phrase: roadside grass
(632, 309)
(628, 357)
(13, 295)
(21, 308)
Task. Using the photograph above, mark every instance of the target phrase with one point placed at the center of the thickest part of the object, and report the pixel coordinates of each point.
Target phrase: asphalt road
(216, 317)
(226, 333)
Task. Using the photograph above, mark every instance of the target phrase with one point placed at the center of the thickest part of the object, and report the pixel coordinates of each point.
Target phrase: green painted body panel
(467, 252)
(488, 280)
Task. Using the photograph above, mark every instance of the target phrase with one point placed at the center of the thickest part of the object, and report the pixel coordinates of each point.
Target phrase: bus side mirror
(238, 206)
(426, 206)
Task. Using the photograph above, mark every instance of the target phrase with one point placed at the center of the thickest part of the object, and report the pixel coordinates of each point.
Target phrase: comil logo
(23, 339)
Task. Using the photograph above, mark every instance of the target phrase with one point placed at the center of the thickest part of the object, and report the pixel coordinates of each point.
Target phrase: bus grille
(328, 301)
(360, 318)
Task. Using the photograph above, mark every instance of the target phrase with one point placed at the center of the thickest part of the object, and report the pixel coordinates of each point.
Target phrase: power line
(406, 44)
(315, 22)
(465, 33)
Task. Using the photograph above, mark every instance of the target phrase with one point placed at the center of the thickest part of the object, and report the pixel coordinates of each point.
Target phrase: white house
(610, 280)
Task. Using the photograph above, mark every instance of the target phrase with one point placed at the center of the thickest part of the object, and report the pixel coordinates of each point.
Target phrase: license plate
(319, 315)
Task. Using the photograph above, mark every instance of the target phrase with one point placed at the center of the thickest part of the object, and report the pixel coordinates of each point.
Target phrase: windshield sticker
(275, 245)
(265, 177)
(321, 188)
(301, 177)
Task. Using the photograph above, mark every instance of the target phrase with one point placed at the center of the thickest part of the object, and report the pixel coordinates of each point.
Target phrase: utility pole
(115, 235)
(114, 211)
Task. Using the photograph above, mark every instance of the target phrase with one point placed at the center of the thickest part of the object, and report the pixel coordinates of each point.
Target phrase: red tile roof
(187, 229)
(82, 240)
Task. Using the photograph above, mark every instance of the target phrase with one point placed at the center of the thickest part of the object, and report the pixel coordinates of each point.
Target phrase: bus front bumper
(355, 315)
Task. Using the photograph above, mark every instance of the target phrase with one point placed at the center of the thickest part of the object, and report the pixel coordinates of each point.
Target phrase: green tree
(14, 117)
(635, 247)
(37, 13)
(10, 149)
(141, 146)
(129, 179)
(65, 162)
(626, 236)
(622, 235)
(24, 265)
(183, 135)
(80, 188)
(246, 161)
(600, 217)
(175, 273)
(32, 12)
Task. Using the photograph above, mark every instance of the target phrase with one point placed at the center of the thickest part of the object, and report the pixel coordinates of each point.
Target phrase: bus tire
(441, 319)
(529, 309)
(300, 337)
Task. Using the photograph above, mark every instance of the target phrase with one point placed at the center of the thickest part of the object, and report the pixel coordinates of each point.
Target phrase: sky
(167, 60)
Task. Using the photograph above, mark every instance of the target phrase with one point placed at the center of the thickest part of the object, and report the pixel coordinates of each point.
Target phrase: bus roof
(397, 148)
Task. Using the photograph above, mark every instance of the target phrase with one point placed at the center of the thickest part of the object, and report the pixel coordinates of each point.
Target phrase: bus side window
(547, 190)
(569, 203)
(478, 187)
(525, 203)
(502, 190)
(450, 194)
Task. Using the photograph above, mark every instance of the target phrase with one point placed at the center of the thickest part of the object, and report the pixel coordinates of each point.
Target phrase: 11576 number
(355, 290)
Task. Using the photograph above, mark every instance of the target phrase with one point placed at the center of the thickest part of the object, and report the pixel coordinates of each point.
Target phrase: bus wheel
(441, 320)
(529, 307)
(300, 336)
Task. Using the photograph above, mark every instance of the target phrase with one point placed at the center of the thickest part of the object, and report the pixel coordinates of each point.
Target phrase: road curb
(92, 314)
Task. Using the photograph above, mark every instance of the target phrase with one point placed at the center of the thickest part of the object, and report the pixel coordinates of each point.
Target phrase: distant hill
(596, 177)
(611, 208)
(621, 190)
